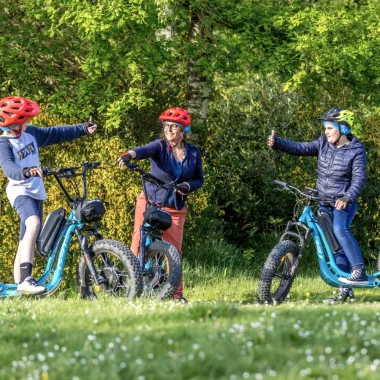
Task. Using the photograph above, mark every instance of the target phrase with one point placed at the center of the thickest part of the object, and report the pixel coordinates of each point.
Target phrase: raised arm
(54, 135)
(295, 148)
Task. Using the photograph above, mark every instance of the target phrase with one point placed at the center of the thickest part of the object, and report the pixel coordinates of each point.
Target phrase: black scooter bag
(326, 224)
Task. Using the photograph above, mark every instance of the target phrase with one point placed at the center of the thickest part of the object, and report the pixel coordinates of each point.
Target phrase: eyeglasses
(171, 126)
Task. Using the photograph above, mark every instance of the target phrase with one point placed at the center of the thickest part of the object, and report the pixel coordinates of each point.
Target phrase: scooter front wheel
(117, 268)
(163, 270)
(275, 280)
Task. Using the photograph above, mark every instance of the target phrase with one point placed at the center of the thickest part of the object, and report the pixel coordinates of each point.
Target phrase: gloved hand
(183, 188)
(33, 171)
(342, 202)
(124, 159)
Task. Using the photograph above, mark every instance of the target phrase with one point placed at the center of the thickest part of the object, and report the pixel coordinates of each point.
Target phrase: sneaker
(29, 286)
(181, 299)
(345, 294)
(358, 277)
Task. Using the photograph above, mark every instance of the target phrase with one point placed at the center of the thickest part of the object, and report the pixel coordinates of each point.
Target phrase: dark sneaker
(345, 294)
(30, 286)
(181, 299)
(358, 277)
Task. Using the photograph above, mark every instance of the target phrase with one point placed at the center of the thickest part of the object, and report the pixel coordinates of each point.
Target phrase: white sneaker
(29, 286)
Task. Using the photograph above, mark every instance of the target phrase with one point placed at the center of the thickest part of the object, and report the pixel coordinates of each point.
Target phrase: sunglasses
(171, 126)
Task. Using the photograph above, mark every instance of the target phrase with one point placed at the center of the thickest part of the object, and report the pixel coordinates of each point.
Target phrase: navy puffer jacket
(341, 171)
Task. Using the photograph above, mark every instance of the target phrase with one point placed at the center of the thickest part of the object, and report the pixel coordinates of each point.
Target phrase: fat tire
(289, 250)
(174, 262)
(128, 260)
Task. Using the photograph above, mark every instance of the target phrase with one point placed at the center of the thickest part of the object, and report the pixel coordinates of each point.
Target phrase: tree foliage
(265, 65)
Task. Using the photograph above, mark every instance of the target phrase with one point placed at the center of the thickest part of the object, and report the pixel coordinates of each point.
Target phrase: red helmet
(176, 115)
(17, 110)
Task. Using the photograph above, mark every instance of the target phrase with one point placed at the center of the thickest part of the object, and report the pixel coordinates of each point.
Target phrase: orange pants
(173, 235)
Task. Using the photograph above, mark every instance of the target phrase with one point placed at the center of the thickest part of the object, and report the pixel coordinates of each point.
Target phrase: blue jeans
(350, 254)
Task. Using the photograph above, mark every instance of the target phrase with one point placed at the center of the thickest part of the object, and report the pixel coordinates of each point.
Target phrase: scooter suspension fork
(141, 255)
(87, 258)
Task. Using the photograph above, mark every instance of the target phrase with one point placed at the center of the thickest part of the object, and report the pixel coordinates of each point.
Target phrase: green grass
(222, 334)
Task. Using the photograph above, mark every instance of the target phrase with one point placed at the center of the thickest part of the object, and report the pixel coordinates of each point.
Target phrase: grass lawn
(221, 334)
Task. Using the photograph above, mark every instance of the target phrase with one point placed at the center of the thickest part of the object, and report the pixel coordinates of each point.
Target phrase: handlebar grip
(132, 167)
(281, 183)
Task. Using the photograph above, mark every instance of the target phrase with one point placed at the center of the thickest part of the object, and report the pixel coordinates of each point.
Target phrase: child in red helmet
(20, 163)
(171, 158)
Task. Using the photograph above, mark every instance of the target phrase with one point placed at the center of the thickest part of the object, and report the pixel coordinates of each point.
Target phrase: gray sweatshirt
(17, 153)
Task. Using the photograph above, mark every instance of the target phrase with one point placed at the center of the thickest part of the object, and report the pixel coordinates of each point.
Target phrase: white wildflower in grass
(56, 347)
(83, 361)
(124, 348)
(41, 357)
(98, 346)
(246, 375)
(309, 358)
(322, 358)
(195, 346)
(350, 359)
(25, 345)
(50, 354)
(190, 357)
(122, 365)
(363, 351)
(101, 357)
(305, 372)
(118, 340)
(139, 361)
(111, 345)
(170, 341)
(259, 376)
(91, 337)
(233, 377)
(150, 356)
(328, 350)
(46, 344)
(95, 361)
(352, 349)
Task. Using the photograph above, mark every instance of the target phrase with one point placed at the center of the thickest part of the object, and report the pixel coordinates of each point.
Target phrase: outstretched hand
(271, 138)
(91, 127)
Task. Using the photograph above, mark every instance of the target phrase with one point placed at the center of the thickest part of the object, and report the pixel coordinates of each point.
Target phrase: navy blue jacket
(341, 171)
(192, 171)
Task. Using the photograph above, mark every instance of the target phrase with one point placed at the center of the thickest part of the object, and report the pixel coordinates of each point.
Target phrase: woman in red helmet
(171, 158)
(20, 163)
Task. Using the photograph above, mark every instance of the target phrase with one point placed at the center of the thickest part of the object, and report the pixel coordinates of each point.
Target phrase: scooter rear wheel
(275, 280)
